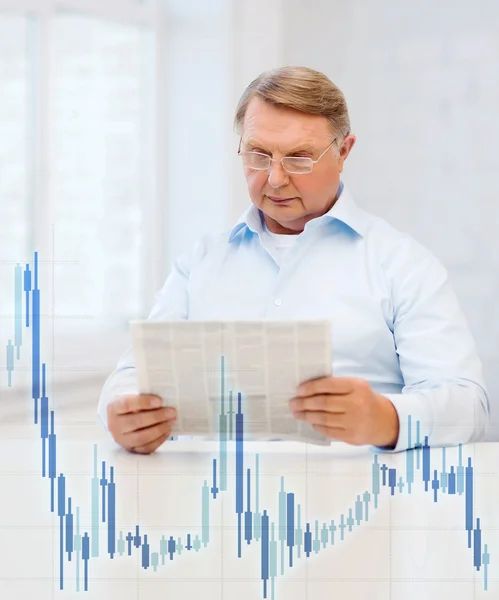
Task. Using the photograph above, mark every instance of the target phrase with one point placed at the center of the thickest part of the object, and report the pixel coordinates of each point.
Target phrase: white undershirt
(280, 242)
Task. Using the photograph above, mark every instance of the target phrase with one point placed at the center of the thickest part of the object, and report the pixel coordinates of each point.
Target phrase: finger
(152, 446)
(326, 403)
(147, 435)
(327, 385)
(130, 404)
(324, 419)
(145, 418)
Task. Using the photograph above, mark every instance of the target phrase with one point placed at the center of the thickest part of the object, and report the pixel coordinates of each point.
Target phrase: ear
(348, 144)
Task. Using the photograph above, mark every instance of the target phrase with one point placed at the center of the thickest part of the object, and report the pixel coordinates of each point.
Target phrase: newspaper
(206, 368)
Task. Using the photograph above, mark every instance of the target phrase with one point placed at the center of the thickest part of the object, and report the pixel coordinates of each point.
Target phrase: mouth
(277, 200)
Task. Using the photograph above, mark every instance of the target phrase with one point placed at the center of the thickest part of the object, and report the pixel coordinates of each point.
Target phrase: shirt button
(278, 302)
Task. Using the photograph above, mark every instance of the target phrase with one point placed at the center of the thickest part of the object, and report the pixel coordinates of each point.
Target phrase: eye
(302, 154)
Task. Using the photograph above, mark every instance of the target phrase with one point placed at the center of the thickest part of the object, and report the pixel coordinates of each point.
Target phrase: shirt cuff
(416, 421)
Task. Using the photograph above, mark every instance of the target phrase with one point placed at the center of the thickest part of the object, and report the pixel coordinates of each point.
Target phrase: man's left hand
(347, 409)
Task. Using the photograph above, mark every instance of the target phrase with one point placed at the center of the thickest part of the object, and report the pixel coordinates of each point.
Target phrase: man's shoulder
(396, 251)
(388, 238)
(205, 245)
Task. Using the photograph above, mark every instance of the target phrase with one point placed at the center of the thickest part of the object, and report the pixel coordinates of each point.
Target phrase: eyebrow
(302, 148)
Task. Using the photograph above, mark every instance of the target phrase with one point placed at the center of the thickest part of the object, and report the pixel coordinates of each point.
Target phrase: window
(102, 105)
(100, 166)
(15, 158)
(77, 157)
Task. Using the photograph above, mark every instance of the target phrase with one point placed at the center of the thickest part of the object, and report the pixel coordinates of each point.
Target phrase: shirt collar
(344, 210)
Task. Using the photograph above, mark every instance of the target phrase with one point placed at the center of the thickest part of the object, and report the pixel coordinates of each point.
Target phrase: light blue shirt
(395, 321)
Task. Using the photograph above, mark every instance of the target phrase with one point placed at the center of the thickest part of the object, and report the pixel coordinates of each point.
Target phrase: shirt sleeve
(171, 303)
(444, 395)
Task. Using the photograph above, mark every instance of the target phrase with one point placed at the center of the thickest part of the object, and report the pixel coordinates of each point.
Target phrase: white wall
(196, 63)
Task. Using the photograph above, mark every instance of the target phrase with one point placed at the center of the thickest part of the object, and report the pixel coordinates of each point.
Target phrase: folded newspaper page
(205, 368)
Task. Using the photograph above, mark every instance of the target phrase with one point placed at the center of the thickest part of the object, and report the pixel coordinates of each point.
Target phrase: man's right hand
(139, 423)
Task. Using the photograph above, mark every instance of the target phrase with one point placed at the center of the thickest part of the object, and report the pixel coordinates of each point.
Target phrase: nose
(278, 177)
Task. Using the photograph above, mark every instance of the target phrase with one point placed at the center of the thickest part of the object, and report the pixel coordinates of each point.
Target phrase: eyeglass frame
(271, 160)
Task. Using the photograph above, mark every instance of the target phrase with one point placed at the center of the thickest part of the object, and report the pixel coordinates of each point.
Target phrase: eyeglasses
(297, 165)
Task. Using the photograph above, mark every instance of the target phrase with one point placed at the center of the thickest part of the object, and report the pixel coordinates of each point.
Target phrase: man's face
(281, 132)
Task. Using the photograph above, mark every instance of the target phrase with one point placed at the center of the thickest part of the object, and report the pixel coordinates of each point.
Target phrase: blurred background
(117, 150)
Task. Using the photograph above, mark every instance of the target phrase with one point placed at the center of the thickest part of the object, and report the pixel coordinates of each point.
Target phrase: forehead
(281, 128)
